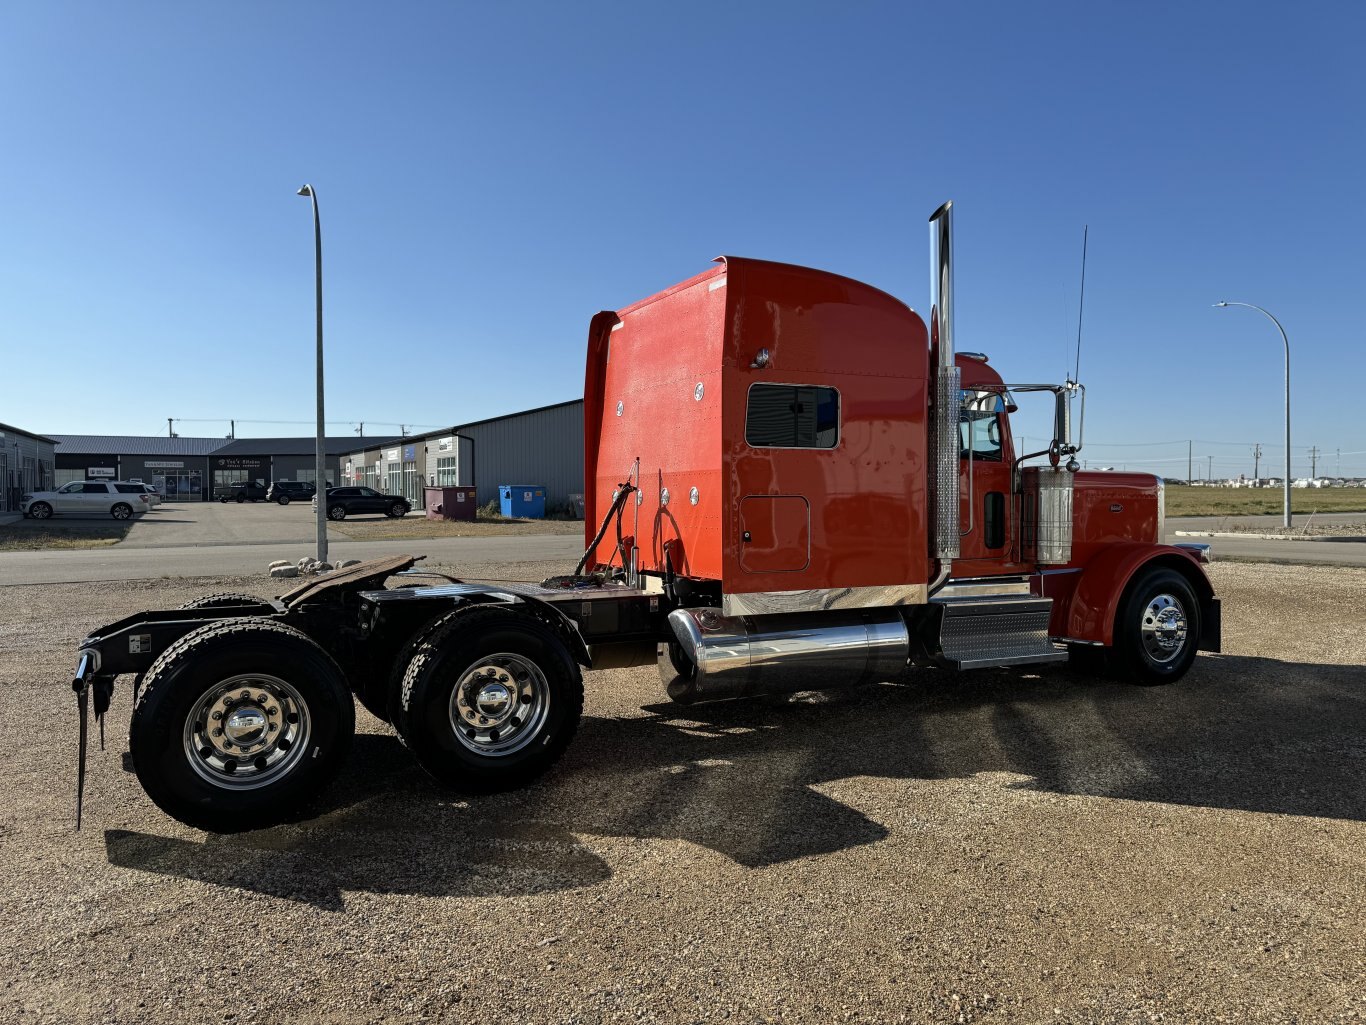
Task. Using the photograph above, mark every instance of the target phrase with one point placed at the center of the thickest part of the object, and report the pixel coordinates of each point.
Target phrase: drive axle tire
(241, 499)
(1157, 628)
(379, 690)
(490, 700)
(240, 725)
(283, 500)
(40, 511)
(337, 512)
(397, 511)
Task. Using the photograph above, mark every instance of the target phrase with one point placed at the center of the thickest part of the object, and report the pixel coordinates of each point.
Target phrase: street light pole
(1286, 340)
(320, 453)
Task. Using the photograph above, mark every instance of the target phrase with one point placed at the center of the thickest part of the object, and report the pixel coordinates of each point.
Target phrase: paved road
(125, 563)
(1330, 553)
(174, 524)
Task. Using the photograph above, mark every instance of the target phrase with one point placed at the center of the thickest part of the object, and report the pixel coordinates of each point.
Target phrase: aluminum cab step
(999, 630)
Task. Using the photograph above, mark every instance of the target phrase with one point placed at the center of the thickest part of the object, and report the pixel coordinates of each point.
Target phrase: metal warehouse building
(541, 446)
(192, 469)
(269, 459)
(26, 464)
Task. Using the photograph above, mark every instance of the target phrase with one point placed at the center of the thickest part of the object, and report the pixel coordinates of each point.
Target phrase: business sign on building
(234, 463)
(409, 453)
(91, 472)
(392, 456)
(152, 464)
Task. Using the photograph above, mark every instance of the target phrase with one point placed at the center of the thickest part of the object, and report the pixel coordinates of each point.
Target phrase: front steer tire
(218, 674)
(461, 672)
(1157, 628)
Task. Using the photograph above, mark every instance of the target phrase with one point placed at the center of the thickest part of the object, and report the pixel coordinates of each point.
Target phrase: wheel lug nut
(483, 720)
(261, 700)
(217, 715)
(273, 727)
(272, 711)
(218, 732)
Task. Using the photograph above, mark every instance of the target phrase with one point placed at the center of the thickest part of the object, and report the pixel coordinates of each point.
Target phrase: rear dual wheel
(240, 725)
(490, 700)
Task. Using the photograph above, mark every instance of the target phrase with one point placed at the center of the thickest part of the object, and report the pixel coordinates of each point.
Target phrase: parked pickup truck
(243, 491)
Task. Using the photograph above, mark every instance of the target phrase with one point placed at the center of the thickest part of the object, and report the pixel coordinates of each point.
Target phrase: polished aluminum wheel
(247, 731)
(1164, 628)
(499, 704)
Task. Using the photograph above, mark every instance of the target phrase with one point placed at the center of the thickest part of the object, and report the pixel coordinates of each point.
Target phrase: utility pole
(1190, 448)
(402, 430)
(170, 430)
(360, 428)
(1313, 462)
(1338, 473)
(1209, 474)
(232, 429)
(1257, 461)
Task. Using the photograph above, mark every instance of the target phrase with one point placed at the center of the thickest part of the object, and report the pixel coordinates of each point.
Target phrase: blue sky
(490, 175)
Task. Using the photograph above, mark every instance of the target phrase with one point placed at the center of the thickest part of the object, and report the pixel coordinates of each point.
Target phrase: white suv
(115, 498)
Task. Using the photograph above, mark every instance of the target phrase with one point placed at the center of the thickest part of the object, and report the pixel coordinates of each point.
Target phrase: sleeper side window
(792, 416)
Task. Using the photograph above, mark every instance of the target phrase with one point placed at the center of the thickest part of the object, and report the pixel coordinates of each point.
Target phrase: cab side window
(979, 425)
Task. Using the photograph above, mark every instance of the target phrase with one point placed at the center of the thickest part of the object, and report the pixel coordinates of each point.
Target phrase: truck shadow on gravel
(745, 779)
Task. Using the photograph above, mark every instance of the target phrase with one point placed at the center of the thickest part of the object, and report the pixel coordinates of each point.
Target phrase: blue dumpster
(523, 501)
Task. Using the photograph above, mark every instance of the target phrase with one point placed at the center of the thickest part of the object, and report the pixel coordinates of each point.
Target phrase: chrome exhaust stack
(944, 417)
(713, 658)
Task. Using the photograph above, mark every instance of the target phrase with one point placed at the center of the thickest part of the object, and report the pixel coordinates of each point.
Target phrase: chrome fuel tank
(713, 658)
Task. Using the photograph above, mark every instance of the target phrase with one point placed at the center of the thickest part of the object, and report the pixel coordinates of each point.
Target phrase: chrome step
(1001, 630)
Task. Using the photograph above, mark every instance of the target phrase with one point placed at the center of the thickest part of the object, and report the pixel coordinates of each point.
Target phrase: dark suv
(286, 491)
(344, 502)
(243, 491)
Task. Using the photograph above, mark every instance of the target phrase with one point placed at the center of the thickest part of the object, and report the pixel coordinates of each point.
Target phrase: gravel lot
(1006, 847)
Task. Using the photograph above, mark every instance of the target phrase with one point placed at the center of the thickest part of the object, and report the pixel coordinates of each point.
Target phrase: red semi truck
(792, 483)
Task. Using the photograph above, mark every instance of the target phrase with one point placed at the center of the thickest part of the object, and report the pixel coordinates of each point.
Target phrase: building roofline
(27, 434)
(409, 439)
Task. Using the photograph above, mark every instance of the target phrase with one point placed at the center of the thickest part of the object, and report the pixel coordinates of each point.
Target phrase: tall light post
(1268, 316)
(320, 460)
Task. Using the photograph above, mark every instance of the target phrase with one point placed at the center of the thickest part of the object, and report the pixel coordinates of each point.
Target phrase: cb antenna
(1081, 302)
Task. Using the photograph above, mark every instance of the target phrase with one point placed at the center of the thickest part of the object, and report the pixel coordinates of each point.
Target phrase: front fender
(1096, 598)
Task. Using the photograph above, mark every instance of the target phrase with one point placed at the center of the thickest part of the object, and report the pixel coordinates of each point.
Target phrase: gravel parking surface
(1001, 847)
